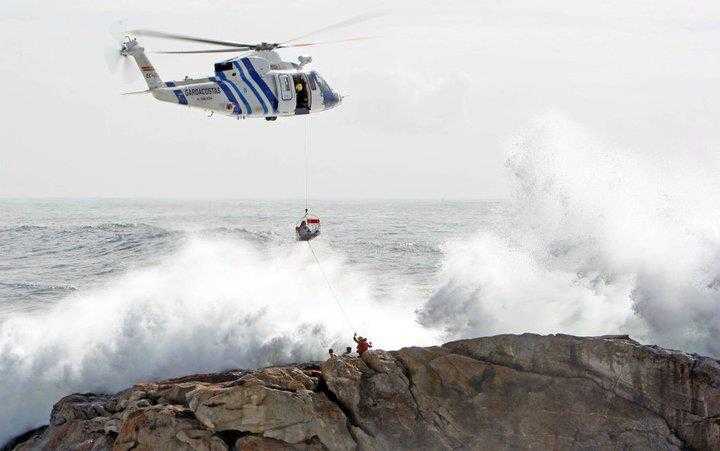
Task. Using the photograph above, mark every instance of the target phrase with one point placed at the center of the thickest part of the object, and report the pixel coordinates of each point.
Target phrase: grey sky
(429, 108)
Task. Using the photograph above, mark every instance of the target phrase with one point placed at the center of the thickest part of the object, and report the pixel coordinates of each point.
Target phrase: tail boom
(131, 48)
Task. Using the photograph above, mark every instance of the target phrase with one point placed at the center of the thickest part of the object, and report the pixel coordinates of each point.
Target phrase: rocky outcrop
(503, 392)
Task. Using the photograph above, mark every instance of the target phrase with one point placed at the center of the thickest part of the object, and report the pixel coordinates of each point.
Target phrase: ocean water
(594, 239)
(53, 249)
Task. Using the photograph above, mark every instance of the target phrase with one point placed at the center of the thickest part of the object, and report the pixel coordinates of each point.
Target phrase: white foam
(596, 240)
(215, 305)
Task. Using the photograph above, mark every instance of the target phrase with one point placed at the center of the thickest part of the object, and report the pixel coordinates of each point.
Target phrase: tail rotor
(118, 64)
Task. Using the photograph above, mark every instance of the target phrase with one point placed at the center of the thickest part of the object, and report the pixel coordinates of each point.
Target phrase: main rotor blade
(345, 23)
(182, 37)
(310, 44)
(179, 52)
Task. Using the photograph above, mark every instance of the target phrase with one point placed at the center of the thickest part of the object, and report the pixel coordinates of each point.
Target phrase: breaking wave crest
(215, 304)
(596, 240)
(40, 262)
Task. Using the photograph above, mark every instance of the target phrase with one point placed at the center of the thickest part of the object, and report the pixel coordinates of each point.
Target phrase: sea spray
(596, 240)
(215, 304)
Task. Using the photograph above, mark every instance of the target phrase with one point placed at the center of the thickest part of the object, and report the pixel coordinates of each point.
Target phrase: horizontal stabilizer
(132, 93)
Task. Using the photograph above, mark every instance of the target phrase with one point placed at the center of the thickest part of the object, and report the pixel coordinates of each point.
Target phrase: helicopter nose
(331, 99)
(337, 98)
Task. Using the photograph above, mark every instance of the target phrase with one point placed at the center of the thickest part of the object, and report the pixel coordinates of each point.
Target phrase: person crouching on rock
(362, 344)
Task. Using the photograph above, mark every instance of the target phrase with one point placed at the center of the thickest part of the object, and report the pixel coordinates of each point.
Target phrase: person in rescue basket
(302, 230)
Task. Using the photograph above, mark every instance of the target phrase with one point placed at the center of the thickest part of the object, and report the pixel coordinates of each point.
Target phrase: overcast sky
(428, 112)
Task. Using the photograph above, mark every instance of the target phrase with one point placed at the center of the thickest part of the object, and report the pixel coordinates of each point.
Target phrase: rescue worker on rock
(348, 351)
(362, 344)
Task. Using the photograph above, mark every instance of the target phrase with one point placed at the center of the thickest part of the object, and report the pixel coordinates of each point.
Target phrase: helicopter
(255, 84)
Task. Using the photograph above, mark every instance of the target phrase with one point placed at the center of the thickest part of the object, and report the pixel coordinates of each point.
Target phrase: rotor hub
(128, 45)
(267, 46)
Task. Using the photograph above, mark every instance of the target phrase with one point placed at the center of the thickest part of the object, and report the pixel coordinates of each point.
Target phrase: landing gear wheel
(271, 118)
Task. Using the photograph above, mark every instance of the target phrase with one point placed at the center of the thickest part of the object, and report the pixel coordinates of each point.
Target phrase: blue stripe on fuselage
(260, 82)
(228, 94)
(178, 93)
(237, 91)
(250, 85)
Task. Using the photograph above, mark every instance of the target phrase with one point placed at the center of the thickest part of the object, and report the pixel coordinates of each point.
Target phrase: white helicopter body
(258, 85)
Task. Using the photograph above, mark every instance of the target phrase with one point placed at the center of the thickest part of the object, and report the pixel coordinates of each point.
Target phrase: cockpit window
(330, 99)
(313, 86)
(323, 85)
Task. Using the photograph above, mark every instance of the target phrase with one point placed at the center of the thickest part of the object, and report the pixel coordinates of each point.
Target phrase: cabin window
(222, 67)
(287, 89)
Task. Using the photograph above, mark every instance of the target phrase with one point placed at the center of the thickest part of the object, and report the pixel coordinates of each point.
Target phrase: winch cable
(308, 143)
(332, 290)
(336, 298)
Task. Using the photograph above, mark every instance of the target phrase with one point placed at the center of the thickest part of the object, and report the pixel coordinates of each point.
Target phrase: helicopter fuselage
(258, 85)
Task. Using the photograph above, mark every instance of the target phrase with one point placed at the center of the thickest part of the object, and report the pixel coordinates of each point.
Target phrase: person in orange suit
(362, 344)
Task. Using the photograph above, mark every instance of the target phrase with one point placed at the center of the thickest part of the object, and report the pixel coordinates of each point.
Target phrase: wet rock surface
(504, 392)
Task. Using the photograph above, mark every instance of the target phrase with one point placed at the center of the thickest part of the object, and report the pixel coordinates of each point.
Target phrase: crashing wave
(596, 240)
